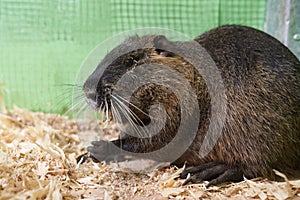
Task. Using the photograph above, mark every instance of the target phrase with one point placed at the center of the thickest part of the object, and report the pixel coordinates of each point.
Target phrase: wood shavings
(38, 161)
(168, 192)
(2, 104)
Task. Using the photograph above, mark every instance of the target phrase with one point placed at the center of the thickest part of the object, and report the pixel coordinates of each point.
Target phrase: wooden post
(283, 22)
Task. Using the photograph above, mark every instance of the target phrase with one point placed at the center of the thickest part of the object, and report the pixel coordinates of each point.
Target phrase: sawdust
(38, 161)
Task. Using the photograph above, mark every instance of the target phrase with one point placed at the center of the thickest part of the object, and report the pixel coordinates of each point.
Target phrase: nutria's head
(171, 94)
(132, 52)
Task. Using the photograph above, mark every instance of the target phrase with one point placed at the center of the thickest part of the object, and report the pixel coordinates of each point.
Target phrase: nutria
(261, 78)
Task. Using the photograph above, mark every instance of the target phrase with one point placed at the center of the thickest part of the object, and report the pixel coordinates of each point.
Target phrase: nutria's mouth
(98, 102)
(99, 107)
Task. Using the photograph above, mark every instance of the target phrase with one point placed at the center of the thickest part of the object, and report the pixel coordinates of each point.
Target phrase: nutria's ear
(161, 44)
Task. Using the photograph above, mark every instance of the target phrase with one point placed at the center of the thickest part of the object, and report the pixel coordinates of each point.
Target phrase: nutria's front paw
(215, 173)
(102, 151)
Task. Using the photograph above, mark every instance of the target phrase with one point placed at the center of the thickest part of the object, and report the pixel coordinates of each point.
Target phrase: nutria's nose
(90, 94)
(91, 97)
(89, 89)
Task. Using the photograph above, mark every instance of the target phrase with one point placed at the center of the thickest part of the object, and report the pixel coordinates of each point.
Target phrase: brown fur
(262, 82)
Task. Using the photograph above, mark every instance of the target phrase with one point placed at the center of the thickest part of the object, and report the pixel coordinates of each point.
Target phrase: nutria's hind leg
(215, 173)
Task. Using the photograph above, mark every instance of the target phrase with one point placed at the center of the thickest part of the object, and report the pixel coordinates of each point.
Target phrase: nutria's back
(262, 85)
(262, 81)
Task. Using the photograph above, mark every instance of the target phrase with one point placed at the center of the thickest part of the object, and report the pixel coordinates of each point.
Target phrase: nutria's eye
(164, 53)
(160, 43)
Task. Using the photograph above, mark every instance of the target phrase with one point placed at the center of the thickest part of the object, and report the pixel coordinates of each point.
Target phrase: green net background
(44, 42)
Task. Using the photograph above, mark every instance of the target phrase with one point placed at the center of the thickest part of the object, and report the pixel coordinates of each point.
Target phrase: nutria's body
(262, 85)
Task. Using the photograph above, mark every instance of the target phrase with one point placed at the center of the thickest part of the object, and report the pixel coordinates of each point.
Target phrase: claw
(191, 179)
(82, 158)
(215, 173)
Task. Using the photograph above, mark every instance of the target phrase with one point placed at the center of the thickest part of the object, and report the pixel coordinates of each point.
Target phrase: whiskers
(113, 109)
(67, 94)
(76, 99)
(125, 116)
(82, 110)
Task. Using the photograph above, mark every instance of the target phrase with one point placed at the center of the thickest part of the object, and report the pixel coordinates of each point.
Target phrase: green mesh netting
(43, 42)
